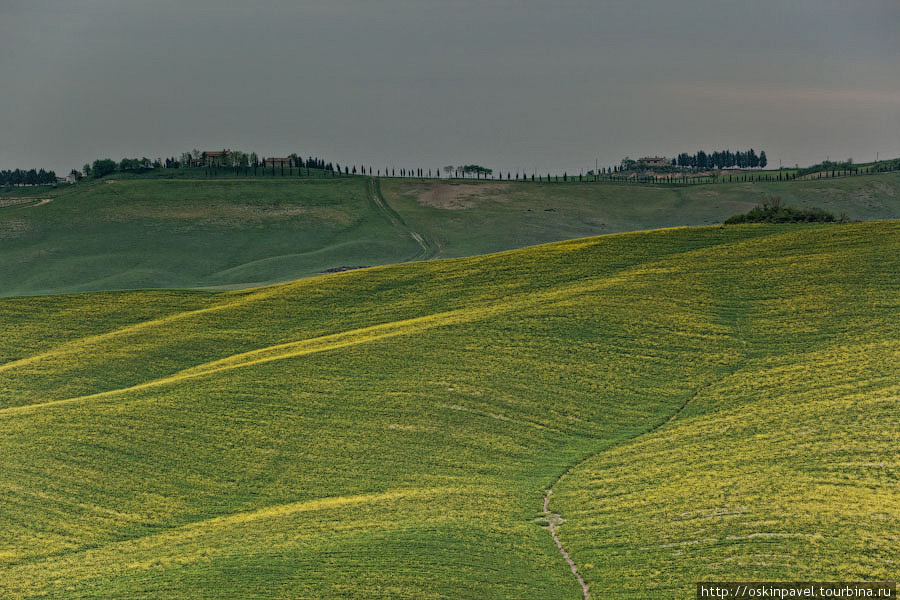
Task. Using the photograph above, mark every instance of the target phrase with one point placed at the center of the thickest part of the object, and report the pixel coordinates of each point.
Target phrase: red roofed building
(211, 158)
(653, 161)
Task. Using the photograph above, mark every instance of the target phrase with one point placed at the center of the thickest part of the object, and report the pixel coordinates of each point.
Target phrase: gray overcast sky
(551, 85)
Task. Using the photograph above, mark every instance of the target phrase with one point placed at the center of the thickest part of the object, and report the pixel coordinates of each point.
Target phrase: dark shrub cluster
(772, 211)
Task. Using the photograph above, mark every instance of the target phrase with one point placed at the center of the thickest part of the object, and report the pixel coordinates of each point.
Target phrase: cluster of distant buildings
(219, 158)
(654, 161)
(211, 159)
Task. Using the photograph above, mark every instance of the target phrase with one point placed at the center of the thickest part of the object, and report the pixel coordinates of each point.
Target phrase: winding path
(24, 201)
(554, 520)
(428, 247)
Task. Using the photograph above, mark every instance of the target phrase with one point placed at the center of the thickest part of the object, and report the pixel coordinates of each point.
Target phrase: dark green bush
(772, 211)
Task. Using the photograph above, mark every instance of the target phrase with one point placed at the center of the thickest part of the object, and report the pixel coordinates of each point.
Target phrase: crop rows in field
(390, 432)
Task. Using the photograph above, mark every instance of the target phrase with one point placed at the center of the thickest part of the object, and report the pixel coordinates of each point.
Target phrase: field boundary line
(75, 344)
(226, 301)
(195, 528)
(379, 331)
(347, 338)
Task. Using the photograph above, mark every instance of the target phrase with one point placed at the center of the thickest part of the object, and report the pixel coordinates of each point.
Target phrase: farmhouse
(212, 158)
(279, 162)
(653, 161)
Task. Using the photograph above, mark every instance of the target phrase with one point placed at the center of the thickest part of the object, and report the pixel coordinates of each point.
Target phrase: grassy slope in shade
(161, 233)
(146, 232)
(466, 218)
(390, 432)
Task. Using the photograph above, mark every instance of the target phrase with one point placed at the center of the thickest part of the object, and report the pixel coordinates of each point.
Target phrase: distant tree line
(677, 171)
(721, 159)
(830, 168)
(477, 170)
(29, 177)
(239, 158)
(106, 166)
(828, 165)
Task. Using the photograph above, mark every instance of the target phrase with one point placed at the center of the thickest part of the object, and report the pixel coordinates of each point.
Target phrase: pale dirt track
(554, 520)
(428, 247)
(10, 202)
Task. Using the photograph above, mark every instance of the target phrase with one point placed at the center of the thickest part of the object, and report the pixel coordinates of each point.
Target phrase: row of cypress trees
(29, 177)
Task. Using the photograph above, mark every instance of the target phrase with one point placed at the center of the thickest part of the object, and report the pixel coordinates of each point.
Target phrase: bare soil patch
(458, 196)
(707, 194)
(5, 202)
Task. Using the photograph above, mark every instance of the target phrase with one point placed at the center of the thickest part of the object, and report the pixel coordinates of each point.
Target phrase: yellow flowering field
(721, 400)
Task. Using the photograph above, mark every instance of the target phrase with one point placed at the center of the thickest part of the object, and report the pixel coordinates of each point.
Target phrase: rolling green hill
(136, 232)
(466, 218)
(721, 403)
(143, 233)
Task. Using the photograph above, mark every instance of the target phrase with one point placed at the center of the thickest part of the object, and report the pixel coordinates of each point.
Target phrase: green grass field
(466, 218)
(721, 400)
(152, 231)
(145, 233)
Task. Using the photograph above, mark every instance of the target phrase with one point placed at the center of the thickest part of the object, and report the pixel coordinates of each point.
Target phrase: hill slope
(466, 218)
(186, 233)
(145, 233)
(722, 399)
